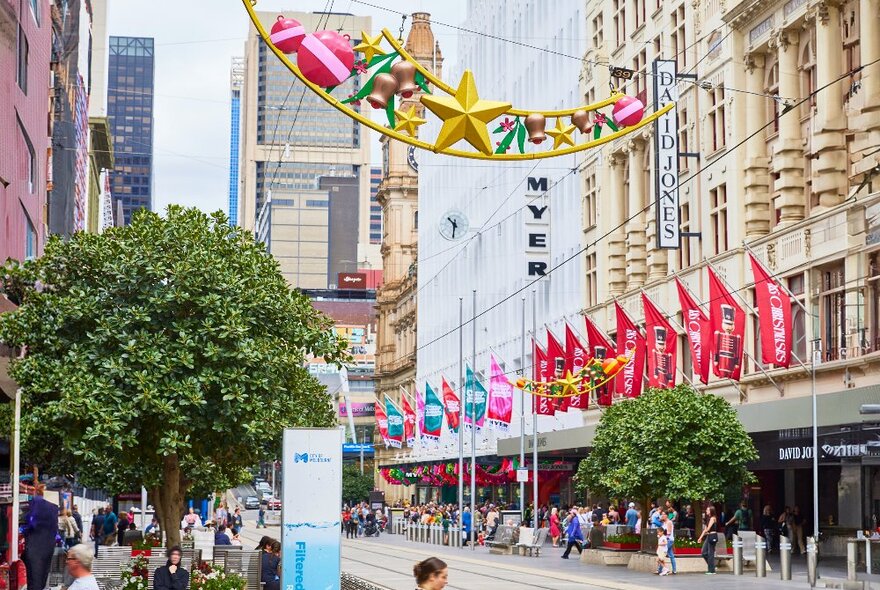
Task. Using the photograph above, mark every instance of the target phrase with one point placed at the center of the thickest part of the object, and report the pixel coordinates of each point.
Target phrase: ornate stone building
(396, 298)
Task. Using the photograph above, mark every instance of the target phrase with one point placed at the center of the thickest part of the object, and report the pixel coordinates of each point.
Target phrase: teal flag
(433, 415)
(395, 424)
(475, 393)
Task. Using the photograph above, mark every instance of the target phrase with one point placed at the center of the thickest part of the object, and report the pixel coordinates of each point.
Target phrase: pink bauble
(287, 34)
(325, 58)
(628, 111)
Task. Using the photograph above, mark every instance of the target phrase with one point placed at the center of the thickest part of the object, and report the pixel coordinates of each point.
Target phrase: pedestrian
(110, 521)
(261, 516)
(466, 525)
(221, 515)
(632, 516)
(121, 527)
(662, 547)
(796, 529)
(768, 525)
(97, 528)
(79, 565)
(740, 521)
(237, 521)
(171, 576)
(39, 531)
(67, 528)
(153, 527)
(554, 526)
(220, 537)
(574, 535)
(430, 574)
(191, 519)
(613, 515)
(269, 566)
(671, 512)
(77, 518)
(709, 538)
(669, 529)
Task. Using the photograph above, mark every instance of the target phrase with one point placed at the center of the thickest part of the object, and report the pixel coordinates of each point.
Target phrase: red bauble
(287, 34)
(325, 58)
(628, 111)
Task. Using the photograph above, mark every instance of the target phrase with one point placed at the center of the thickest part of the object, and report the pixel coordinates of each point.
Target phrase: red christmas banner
(576, 357)
(697, 325)
(382, 422)
(662, 342)
(556, 360)
(409, 422)
(540, 403)
(600, 348)
(728, 323)
(452, 405)
(774, 309)
(631, 343)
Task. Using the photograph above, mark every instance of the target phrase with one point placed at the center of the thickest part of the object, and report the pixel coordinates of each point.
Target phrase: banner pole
(473, 388)
(461, 415)
(535, 414)
(522, 417)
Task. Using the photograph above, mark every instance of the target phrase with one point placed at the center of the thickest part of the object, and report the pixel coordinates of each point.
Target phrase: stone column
(657, 258)
(788, 151)
(831, 168)
(869, 46)
(757, 176)
(617, 239)
(636, 264)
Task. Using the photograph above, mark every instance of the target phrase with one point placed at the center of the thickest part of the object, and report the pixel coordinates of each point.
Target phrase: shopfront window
(832, 311)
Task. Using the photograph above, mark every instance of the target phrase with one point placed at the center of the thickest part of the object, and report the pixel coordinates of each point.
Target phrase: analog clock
(453, 225)
(411, 158)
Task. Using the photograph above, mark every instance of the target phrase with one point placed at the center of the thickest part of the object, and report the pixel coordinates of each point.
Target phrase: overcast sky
(195, 42)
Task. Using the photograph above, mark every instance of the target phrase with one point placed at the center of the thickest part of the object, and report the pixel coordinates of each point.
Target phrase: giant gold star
(561, 133)
(369, 47)
(569, 384)
(408, 121)
(464, 115)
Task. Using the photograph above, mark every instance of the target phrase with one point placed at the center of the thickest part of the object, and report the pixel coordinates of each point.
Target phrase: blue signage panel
(357, 447)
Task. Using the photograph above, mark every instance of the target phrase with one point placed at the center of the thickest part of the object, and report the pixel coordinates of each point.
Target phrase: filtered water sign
(310, 513)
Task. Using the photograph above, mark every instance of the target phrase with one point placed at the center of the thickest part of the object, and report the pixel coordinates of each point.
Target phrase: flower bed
(623, 542)
(134, 574)
(213, 577)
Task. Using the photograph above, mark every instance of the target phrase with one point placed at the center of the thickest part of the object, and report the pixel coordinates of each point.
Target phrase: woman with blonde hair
(67, 528)
(555, 533)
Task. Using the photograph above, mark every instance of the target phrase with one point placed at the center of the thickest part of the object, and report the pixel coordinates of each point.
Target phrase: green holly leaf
(385, 67)
(611, 124)
(597, 131)
(498, 129)
(520, 136)
(505, 143)
(389, 111)
(422, 82)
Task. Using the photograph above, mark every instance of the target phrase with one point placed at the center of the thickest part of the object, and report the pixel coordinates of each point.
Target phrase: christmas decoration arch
(325, 59)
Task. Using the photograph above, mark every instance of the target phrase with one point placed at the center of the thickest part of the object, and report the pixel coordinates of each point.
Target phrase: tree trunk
(698, 518)
(171, 499)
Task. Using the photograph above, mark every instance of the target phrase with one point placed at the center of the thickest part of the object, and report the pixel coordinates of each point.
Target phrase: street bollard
(784, 558)
(761, 558)
(852, 555)
(737, 556)
(812, 561)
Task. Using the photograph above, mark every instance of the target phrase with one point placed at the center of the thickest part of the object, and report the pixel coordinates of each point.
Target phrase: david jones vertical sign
(666, 150)
(537, 226)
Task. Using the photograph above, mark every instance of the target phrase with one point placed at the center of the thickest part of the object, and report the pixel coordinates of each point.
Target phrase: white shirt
(84, 583)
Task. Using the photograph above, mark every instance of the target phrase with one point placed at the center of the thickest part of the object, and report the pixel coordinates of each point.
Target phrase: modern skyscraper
(130, 108)
(290, 138)
(236, 81)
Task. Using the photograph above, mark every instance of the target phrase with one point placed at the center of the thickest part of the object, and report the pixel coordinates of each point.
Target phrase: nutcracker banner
(541, 404)
(395, 424)
(774, 317)
(474, 400)
(662, 342)
(409, 420)
(576, 357)
(728, 323)
(382, 423)
(556, 368)
(433, 425)
(697, 325)
(500, 409)
(600, 348)
(452, 405)
(631, 343)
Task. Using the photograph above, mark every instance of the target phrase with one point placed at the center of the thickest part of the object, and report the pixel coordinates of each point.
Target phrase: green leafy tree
(167, 354)
(668, 443)
(355, 486)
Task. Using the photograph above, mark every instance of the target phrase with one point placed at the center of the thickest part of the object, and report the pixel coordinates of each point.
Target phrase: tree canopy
(356, 487)
(675, 443)
(169, 354)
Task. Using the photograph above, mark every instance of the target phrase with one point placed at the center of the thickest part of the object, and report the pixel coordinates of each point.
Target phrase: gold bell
(535, 126)
(581, 120)
(405, 74)
(384, 87)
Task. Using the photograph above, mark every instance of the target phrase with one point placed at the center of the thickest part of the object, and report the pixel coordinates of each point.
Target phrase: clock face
(453, 225)
(411, 158)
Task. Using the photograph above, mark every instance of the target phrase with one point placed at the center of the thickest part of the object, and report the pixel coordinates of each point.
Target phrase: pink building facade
(25, 53)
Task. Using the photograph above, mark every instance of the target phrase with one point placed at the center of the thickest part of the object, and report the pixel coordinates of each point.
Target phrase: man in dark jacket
(171, 576)
(220, 537)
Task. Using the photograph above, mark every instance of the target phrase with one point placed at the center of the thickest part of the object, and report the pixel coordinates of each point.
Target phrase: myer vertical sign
(666, 149)
(537, 222)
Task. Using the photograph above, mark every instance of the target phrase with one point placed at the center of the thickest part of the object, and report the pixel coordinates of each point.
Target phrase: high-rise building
(236, 81)
(291, 137)
(25, 44)
(375, 207)
(101, 144)
(130, 109)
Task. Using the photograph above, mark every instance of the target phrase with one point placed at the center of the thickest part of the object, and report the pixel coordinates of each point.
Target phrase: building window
(30, 238)
(849, 17)
(771, 87)
(22, 71)
(716, 117)
(415, 220)
(639, 8)
(590, 193)
(832, 310)
(30, 158)
(639, 66)
(679, 41)
(873, 339)
(798, 317)
(683, 133)
(808, 75)
(592, 281)
(684, 253)
(598, 33)
(619, 10)
(35, 10)
(718, 214)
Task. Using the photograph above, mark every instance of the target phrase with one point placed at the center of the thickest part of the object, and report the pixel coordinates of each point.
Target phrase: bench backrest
(247, 564)
(541, 537)
(220, 552)
(526, 535)
(504, 535)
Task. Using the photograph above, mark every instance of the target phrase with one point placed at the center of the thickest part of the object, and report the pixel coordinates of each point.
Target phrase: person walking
(171, 576)
(79, 565)
(662, 551)
(261, 516)
(574, 535)
(554, 526)
(67, 528)
(110, 521)
(709, 538)
(740, 521)
(121, 527)
(77, 518)
(768, 525)
(796, 529)
(221, 515)
(669, 529)
(97, 528)
(632, 516)
(237, 521)
(466, 522)
(431, 574)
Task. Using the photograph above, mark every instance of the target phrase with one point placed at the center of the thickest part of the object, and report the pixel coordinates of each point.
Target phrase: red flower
(354, 103)
(599, 119)
(507, 124)
(360, 66)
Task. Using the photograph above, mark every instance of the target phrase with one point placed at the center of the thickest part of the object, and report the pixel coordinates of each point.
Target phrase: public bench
(503, 543)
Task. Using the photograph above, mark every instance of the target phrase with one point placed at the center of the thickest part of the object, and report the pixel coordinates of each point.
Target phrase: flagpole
(474, 425)
(461, 413)
(522, 418)
(534, 414)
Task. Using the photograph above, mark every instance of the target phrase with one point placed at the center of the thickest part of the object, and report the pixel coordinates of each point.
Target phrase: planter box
(144, 552)
(621, 546)
(688, 551)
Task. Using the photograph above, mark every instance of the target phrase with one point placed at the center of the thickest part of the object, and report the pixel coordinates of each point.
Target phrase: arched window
(771, 86)
(807, 69)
